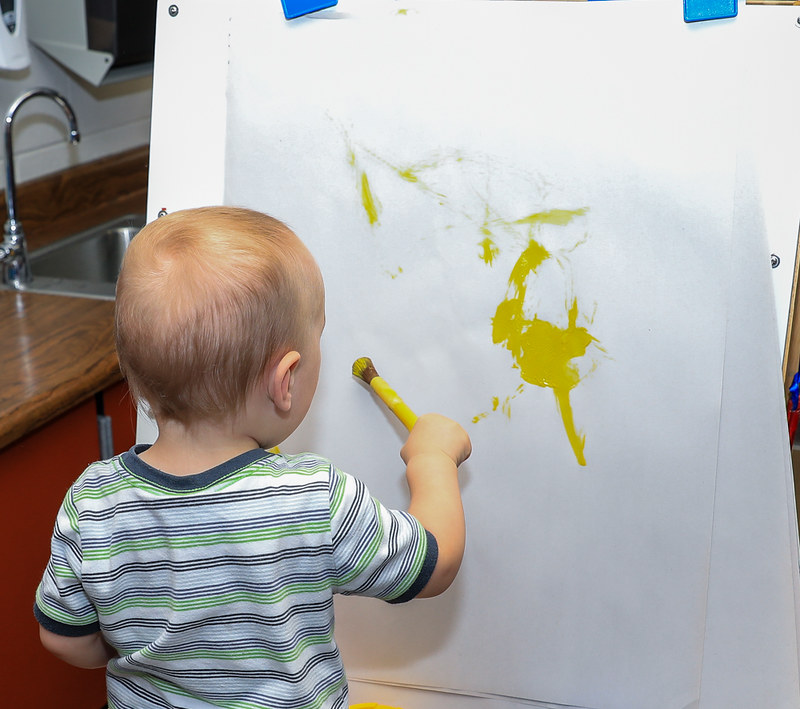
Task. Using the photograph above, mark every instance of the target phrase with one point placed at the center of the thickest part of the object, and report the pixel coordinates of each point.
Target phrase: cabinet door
(35, 473)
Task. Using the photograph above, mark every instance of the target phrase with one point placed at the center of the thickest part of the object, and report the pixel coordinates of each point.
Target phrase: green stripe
(422, 550)
(215, 601)
(56, 614)
(170, 688)
(132, 481)
(248, 654)
(369, 553)
(338, 493)
(63, 571)
(205, 540)
(71, 511)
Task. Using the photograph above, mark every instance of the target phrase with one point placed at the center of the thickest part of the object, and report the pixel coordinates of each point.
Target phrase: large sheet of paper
(529, 216)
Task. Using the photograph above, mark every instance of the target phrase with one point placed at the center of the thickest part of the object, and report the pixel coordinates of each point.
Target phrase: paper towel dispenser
(9, 14)
(100, 40)
(14, 52)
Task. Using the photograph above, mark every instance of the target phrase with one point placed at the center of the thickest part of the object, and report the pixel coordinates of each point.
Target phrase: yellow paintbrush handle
(397, 406)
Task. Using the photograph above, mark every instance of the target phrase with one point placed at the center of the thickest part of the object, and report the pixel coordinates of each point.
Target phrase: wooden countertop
(57, 351)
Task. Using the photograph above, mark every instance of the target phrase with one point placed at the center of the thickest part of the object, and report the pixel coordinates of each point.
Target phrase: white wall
(111, 118)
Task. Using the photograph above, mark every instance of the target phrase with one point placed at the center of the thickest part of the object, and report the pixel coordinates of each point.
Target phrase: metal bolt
(162, 212)
(775, 260)
(173, 10)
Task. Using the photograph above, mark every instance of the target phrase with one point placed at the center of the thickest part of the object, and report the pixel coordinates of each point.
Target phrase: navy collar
(183, 483)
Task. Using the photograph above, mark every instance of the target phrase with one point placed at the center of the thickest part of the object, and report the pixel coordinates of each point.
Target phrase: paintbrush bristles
(364, 369)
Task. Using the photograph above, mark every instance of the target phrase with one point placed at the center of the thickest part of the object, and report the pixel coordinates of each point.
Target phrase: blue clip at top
(298, 8)
(697, 10)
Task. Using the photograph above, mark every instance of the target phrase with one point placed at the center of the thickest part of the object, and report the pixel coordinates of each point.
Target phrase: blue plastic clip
(298, 8)
(696, 10)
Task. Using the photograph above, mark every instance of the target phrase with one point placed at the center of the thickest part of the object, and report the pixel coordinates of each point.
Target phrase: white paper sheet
(396, 158)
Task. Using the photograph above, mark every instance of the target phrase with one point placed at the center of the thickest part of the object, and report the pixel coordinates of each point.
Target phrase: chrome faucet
(13, 250)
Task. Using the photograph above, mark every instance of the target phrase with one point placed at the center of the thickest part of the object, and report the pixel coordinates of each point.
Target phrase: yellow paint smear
(412, 174)
(489, 251)
(409, 175)
(543, 352)
(371, 205)
(557, 217)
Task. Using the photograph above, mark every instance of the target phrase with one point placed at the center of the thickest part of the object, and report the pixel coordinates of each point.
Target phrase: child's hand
(433, 433)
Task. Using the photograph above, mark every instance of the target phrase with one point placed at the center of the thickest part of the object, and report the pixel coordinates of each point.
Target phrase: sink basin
(86, 264)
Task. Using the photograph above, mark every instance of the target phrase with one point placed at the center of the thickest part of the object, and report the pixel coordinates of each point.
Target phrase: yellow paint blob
(489, 251)
(371, 205)
(542, 351)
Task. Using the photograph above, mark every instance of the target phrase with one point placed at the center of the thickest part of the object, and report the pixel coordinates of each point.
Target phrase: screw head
(173, 10)
(775, 260)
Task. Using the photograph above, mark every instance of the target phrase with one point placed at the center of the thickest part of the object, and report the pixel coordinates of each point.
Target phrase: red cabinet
(35, 473)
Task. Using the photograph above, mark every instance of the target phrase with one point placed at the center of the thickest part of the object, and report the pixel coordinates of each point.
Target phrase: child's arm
(87, 651)
(435, 448)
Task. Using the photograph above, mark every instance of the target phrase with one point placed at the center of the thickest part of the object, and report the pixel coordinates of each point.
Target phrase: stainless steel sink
(86, 264)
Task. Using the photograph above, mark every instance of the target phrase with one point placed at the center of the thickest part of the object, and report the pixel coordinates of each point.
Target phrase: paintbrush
(365, 370)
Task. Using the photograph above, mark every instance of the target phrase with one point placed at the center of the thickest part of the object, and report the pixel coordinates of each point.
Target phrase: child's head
(207, 299)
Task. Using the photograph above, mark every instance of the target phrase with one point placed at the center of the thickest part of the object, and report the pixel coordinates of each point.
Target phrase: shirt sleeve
(378, 552)
(61, 605)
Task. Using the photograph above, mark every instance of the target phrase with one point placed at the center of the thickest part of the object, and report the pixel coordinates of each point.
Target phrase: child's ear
(280, 379)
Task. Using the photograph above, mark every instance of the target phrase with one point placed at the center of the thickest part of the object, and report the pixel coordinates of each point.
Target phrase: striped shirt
(217, 589)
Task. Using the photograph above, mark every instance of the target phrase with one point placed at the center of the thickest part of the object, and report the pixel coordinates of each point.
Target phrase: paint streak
(408, 174)
(495, 406)
(371, 205)
(413, 173)
(504, 406)
(543, 352)
(557, 217)
(489, 251)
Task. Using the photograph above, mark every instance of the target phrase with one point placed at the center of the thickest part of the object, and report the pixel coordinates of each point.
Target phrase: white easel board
(596, 165)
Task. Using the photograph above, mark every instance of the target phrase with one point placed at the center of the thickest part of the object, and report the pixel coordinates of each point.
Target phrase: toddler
(200, 570)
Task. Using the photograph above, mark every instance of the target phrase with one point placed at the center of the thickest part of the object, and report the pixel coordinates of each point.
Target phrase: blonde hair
(206, 299)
